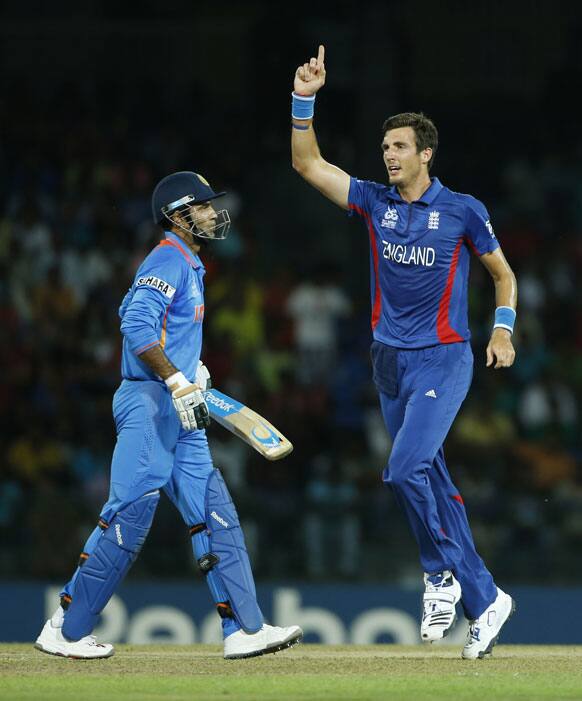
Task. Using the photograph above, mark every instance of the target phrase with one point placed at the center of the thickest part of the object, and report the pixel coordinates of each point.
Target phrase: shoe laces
(434, 582)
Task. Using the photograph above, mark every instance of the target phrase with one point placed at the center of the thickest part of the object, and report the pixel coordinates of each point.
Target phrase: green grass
(305, 673)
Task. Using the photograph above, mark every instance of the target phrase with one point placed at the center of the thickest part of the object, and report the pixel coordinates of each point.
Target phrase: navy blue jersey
(165, 307)
(419, 261)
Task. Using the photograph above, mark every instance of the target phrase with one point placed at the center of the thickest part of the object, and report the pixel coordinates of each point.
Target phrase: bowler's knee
(403, 474)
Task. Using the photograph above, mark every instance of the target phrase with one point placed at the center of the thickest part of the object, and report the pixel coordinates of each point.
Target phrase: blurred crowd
(292, 341)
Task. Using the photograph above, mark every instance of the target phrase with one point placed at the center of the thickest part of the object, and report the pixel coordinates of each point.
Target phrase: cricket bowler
(161, 416)
(421, 237)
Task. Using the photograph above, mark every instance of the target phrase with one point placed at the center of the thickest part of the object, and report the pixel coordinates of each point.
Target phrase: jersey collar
(427, 198)
(176, 241)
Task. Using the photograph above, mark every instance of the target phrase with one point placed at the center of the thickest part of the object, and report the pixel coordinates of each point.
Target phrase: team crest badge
(433, 220)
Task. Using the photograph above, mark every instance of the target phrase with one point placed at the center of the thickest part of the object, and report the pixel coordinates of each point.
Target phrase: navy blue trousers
(421, 392)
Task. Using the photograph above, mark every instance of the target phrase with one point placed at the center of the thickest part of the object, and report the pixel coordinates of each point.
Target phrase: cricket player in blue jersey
(160, 416)
(421, 236)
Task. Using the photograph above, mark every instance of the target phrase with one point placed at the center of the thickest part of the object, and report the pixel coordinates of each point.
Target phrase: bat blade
(245, 423)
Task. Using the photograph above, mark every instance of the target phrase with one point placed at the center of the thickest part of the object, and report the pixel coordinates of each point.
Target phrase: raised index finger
(320, 55)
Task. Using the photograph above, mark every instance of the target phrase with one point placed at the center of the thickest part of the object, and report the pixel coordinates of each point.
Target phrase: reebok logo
(219, 403)
(430, 393)
(220, 520)
(118, 534)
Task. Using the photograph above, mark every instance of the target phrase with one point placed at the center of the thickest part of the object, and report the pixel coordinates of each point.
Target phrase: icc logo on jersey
(390, 218)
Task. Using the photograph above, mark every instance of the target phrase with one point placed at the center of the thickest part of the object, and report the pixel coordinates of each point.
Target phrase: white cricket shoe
(484, 631)
(441, 594)
(52, 641)
(265, 641)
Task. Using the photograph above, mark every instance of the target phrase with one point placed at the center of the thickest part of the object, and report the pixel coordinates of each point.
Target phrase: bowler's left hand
(500, 349)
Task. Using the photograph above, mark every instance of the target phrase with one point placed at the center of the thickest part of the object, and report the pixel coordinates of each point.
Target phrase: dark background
(99, 100)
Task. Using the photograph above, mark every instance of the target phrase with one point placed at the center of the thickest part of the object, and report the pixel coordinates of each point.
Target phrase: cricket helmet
(177, 194)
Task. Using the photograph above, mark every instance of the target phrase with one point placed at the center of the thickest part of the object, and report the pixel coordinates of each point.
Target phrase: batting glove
(188, 403)
(202, 378)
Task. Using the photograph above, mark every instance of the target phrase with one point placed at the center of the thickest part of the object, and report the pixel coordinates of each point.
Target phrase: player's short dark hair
(425, 132)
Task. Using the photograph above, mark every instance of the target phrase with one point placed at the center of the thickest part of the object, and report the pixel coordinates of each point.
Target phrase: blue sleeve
(478, 228)
(360, 196)
(125, 302)
(144, 307)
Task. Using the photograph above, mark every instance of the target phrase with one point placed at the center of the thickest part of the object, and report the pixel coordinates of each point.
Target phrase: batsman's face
(200, 216)
(403, 163)
(204, 217)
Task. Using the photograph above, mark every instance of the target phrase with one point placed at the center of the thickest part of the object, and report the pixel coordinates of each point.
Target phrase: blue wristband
(504, 318)
(302, 106)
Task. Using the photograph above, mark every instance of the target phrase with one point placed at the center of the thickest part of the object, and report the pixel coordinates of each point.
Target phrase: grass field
(305, 673)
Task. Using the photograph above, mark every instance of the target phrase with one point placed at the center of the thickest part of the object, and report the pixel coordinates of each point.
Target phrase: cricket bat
(247, 425)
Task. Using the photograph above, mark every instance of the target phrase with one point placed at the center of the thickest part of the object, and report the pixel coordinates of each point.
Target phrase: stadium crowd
(290, 340)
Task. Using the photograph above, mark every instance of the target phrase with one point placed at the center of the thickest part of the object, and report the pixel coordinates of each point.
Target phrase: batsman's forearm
(157, 360)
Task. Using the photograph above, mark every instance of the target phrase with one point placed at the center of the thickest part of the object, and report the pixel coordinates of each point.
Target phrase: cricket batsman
(421, 236)
(160, 417)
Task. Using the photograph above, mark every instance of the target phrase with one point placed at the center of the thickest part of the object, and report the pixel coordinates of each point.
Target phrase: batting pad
(114, 554)
(227, 543)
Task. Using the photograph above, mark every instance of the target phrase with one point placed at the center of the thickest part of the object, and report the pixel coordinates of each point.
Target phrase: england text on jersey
(409, 255)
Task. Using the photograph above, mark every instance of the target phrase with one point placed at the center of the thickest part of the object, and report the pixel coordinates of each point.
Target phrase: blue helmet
(178, 192)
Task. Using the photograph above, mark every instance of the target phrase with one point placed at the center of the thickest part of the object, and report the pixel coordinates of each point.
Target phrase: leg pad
(109, 562)
(230, 557)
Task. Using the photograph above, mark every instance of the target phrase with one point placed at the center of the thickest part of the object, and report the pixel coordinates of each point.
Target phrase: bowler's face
(403, 163)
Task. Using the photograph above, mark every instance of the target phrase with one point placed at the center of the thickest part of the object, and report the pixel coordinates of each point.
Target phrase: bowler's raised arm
(307, 160)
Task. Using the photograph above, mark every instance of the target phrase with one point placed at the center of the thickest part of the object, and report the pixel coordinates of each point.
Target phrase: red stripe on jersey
(167, 242)
(164, 324)
(445, 331)
(145, 348)
(472, 246)
(377, 306)
(459, 498)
